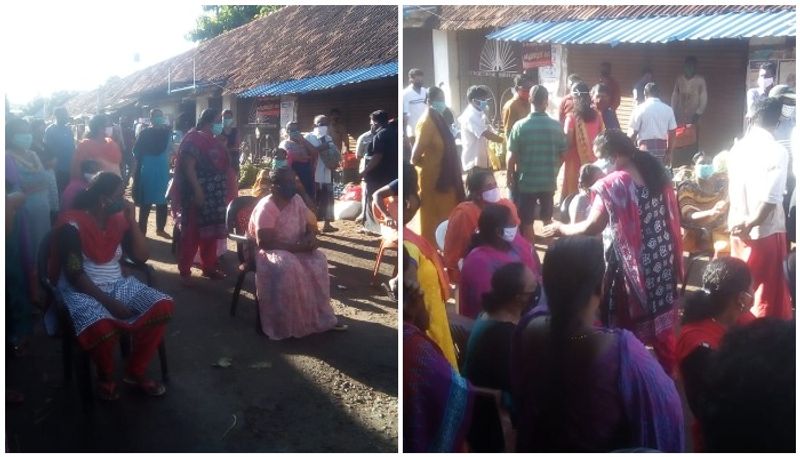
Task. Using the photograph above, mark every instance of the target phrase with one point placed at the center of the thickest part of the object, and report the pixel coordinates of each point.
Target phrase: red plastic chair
(389, 236)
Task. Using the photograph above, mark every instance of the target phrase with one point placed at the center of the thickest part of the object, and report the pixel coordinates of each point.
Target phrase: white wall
(445, 64)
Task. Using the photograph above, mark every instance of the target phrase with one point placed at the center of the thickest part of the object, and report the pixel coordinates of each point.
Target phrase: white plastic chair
(441, 230)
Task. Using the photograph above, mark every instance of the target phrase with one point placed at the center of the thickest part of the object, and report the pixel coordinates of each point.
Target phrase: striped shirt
(538, 143)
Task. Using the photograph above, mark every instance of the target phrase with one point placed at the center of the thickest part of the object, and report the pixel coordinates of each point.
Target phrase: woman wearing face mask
(87, 246)
(292, 282)
(636, 209)
(488, 353)
(25, 174)
(463, 221)
(580, 387)
(98, 146)
(198, 195)
(497, 243)
(725, 298)
(702, 198)
(438, 165)
(581, 126)
(150, 179)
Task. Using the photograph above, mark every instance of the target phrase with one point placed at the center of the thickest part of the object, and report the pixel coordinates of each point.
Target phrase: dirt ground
(335, 391)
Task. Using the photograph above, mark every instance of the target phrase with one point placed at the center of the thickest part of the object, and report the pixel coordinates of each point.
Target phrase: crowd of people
(588, 350)
(67, 214)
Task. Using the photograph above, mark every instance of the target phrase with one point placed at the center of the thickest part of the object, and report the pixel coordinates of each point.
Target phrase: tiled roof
(294, 42)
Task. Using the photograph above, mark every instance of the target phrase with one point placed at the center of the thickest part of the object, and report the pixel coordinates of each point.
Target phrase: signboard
(287, 112)
(267, 112)
(536, 55)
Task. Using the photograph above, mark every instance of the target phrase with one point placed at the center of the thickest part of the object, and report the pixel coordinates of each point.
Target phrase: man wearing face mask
(475, 130)
(98, 146)
(689, 96)
(537, 146)
(60, 143)
(381, 166)
(323, 177)
(414, 102)
(757, 168)
(151, 153)
(230, 134)
(765, 82)
(302, 156)
(784, 133)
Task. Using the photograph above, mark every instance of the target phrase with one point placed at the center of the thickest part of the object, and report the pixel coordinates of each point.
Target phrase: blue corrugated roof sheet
(329, 81)
(653, 29)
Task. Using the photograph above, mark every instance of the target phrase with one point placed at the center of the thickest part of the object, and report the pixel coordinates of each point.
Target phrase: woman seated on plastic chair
(89, 242)
(292, 282)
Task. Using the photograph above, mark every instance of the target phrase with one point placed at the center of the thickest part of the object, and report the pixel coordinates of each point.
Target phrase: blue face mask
(439, 106)
(22, 140)
(704, 170)
(482, 105)
(227, 122)
(216, 129)
(160, 120)
(281, 163)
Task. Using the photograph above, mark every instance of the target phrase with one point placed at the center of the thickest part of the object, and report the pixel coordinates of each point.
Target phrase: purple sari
(437, 401)
(628, 403)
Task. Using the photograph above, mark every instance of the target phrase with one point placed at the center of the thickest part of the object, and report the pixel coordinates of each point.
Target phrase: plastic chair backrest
(441, 231)
(238, 214)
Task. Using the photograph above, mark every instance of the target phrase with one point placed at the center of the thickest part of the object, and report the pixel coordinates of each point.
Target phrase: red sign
(267, 112)
(536, 55)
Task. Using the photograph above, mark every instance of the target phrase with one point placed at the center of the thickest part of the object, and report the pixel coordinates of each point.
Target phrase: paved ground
(328, 392)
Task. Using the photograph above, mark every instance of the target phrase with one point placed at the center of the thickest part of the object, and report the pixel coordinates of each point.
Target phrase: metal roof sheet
(653, 29)
(329, 81)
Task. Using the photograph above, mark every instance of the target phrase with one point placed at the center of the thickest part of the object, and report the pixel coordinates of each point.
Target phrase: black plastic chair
(53, 297)
(706, 250)
(236, 219)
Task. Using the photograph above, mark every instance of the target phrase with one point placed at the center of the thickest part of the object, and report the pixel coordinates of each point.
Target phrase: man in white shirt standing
(653, 126)
(475, 130)
(415, 99)
(757, 167)
(765, 82)
(323, 176)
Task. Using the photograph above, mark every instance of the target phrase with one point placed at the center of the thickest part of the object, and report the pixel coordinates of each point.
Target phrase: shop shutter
(723, 63)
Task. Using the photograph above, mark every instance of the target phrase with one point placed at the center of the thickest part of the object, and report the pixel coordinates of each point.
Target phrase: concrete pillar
(229, 102)
(445, 64)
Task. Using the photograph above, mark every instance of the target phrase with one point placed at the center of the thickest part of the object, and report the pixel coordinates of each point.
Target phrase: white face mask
(109, 131)
(787, 111)
(491, 195)
(509, 233)
(88, 176)
(322, 130)
(763, 82)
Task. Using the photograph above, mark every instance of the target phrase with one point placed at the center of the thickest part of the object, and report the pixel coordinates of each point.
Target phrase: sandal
(147, 387)
(107, 391)
(215, 275)
(340, 327)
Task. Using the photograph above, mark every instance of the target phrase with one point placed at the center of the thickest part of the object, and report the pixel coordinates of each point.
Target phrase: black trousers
(161, 217)
(324, 200)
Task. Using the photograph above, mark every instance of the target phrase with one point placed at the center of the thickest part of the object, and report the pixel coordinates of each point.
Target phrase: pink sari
(479, 266)
(293, 289)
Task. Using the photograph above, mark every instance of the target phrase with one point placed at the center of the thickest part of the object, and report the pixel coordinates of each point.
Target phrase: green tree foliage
(221, 18)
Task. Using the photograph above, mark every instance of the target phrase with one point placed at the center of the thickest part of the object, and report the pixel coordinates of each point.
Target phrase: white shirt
(362, 143)
(474, 147)
(757, 167)
(653, 120)
(414, 107)
(322, 175)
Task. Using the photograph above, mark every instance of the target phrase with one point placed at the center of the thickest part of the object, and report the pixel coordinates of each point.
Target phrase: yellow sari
(428, 278)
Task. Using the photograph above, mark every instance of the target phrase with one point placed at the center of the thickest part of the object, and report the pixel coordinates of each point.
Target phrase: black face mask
(286, 192)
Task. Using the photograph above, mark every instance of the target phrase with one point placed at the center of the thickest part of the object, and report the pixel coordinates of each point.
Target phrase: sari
(439, 169)
(479, 266)
(462, 223)
(582, 150)
(293, 288)
(644, 253)
(30, 174)
(693, 197)
(437, 401)
(623, 400)
(436, 290)
(19, 265)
